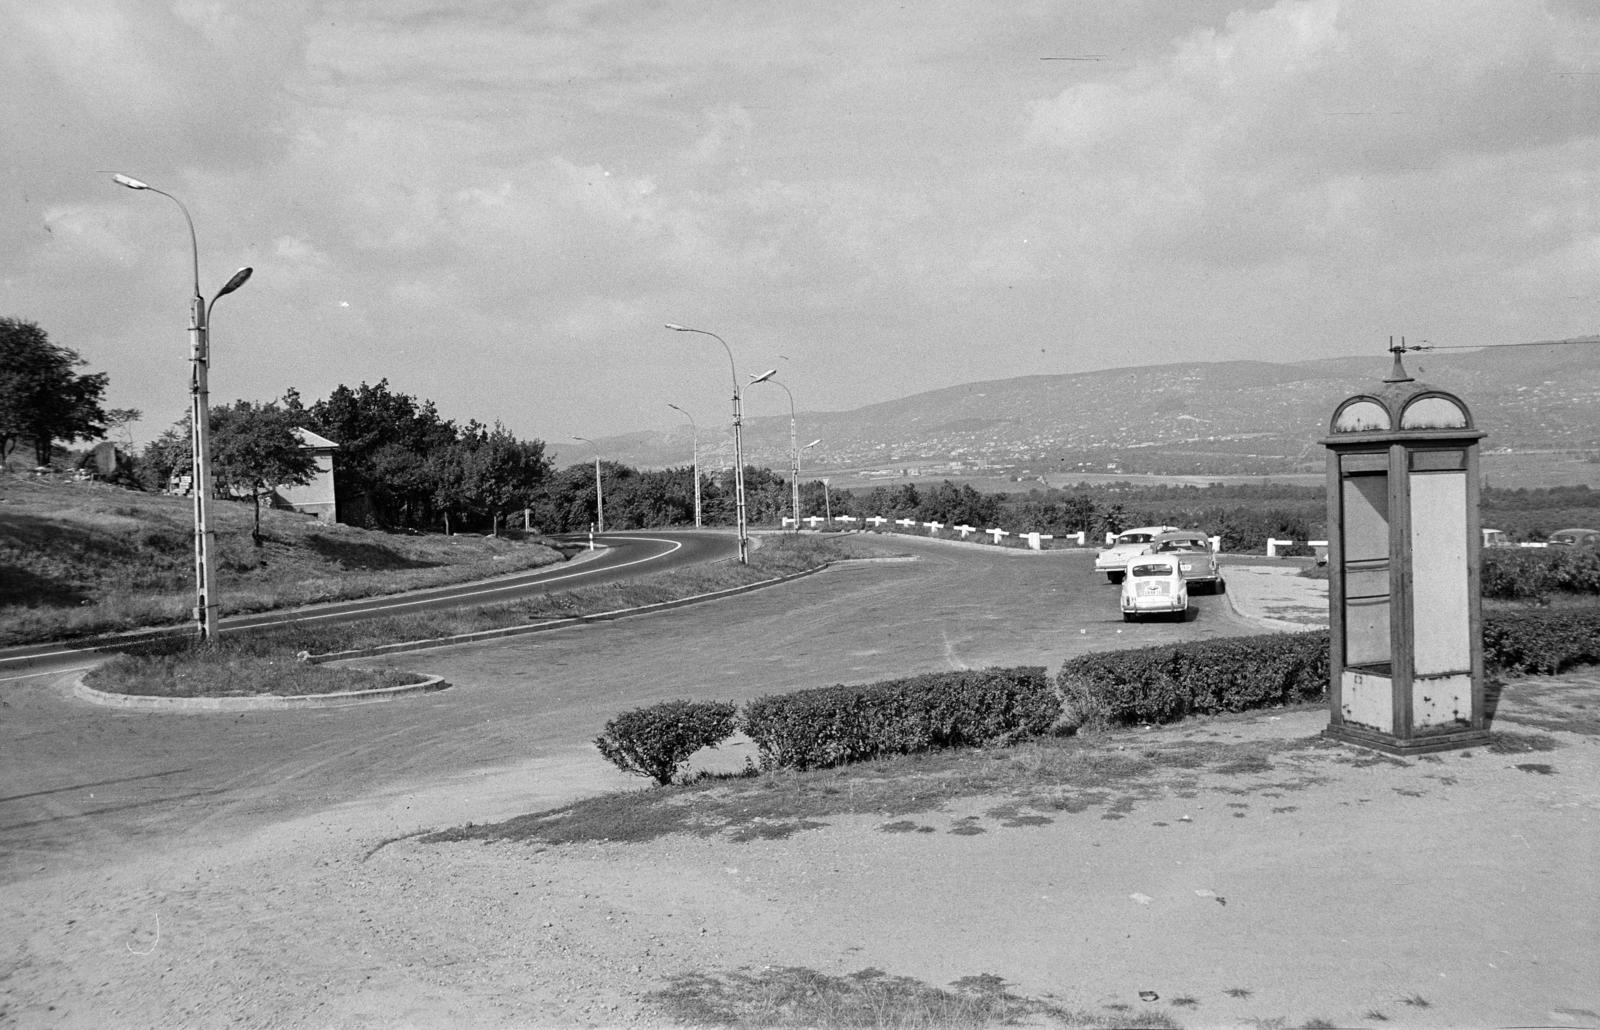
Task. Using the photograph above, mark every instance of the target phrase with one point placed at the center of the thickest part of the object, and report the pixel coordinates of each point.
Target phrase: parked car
(1193, 549)
(1575, 538)
(1113, 560)
(1154, 585)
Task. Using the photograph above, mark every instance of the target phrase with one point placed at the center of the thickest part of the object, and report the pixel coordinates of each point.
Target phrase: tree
(254, 450)
(41, 398)
(384, 440)
(501, 474)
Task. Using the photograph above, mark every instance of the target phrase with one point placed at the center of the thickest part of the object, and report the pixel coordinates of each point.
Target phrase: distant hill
(1197, 418)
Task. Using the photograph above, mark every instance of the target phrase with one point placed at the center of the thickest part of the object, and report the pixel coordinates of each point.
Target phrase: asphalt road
(82, 785)
(624, 555)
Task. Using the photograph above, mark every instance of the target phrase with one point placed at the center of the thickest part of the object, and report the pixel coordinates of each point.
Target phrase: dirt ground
(1444, 891)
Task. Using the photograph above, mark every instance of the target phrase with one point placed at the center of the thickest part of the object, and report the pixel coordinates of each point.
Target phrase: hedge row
(1161, 684)
(1543, 641)
(1524, 573)
(1239, 674)
(817, 729)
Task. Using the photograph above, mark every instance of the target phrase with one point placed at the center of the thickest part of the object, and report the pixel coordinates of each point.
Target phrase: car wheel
(1115, 577)
(1221, 587)
(1127, 617)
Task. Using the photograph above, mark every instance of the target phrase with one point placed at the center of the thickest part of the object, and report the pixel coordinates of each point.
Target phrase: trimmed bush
(1541, 640)
(658, 740)
(1529, 573)
(1162, 684)
(817, 729)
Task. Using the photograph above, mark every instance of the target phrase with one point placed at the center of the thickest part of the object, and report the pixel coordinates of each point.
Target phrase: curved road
(624, 556)
(86, 785)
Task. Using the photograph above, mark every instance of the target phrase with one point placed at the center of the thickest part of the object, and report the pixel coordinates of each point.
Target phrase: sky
(497, 204)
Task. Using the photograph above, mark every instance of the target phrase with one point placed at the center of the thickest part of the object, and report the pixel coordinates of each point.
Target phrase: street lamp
(207, 611)
(599, 499)
(696, 430)
(794, 453)
(802, 450)
(738, 445)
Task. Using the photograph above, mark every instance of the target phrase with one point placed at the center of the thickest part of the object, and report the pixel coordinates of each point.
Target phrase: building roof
(312, 440)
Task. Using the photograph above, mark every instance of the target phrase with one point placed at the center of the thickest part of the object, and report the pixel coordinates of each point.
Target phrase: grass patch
(793, 996)
(264, 662)
(776, 557)
(1034, 783)
(222, 670)
(80, 559)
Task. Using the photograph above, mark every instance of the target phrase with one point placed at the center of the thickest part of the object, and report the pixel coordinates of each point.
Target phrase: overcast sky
(497, 203)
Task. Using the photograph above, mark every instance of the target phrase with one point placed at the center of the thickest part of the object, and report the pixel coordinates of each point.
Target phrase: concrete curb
(241, 704)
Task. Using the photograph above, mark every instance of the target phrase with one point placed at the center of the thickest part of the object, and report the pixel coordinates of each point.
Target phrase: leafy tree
(501, 474)
(41, 398)
(384, 441)
(170, 453)
(254, 450)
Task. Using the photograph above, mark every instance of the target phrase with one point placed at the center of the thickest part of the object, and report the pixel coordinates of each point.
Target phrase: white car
(1154, 586)
(1114, 559)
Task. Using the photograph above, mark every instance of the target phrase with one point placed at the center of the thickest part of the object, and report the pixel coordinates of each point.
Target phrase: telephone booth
(1405, 622)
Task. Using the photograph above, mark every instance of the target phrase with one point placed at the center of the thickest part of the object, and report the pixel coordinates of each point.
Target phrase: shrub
(1519, 573)
(1161, 684)
(656, 741)
(1541, 640)
(815, 729)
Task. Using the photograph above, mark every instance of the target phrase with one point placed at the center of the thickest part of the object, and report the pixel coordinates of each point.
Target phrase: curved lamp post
(794, 452)
(801, 451)
(696, 430)
(207, 611)
(738, 445)
(599, 499)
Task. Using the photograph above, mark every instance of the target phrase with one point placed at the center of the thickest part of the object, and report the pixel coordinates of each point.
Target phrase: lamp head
(813, 443)
(129, 181)
(763, 377)
(238, 279)
(675, 327)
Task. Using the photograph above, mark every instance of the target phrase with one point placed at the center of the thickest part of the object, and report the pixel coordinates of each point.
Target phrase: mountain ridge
(1193, 417)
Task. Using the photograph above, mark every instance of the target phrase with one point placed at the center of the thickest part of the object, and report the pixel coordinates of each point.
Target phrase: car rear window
(1152, 569)
(1134, 538)
(1184, 545)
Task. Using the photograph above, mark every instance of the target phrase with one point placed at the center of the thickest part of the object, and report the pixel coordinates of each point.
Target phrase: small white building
(316, 497)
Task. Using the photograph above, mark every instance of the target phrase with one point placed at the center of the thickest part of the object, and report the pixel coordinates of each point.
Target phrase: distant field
(1528, 469)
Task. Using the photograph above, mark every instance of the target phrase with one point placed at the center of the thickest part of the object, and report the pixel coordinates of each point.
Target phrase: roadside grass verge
(793, 996)
(776, 557)
(1031, 783)
(223, 670)
(260, 661)
(78, 559)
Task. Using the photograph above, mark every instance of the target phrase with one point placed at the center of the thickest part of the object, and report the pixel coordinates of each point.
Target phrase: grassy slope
(81, 558)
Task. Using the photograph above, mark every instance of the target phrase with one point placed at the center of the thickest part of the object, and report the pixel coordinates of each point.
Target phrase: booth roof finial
(1397, 374)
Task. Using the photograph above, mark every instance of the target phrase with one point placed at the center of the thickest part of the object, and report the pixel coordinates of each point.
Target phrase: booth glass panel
(1366, 572)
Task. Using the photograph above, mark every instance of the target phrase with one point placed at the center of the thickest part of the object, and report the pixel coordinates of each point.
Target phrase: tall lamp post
(696, 431)
(207, 610)
(802, 450)
(599, 498)
(738, 445)
(794, 452)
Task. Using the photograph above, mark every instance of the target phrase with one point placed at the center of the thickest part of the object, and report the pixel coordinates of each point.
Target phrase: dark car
(1193, 550)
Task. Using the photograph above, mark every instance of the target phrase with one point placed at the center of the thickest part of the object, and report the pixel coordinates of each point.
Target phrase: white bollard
(997, 534)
